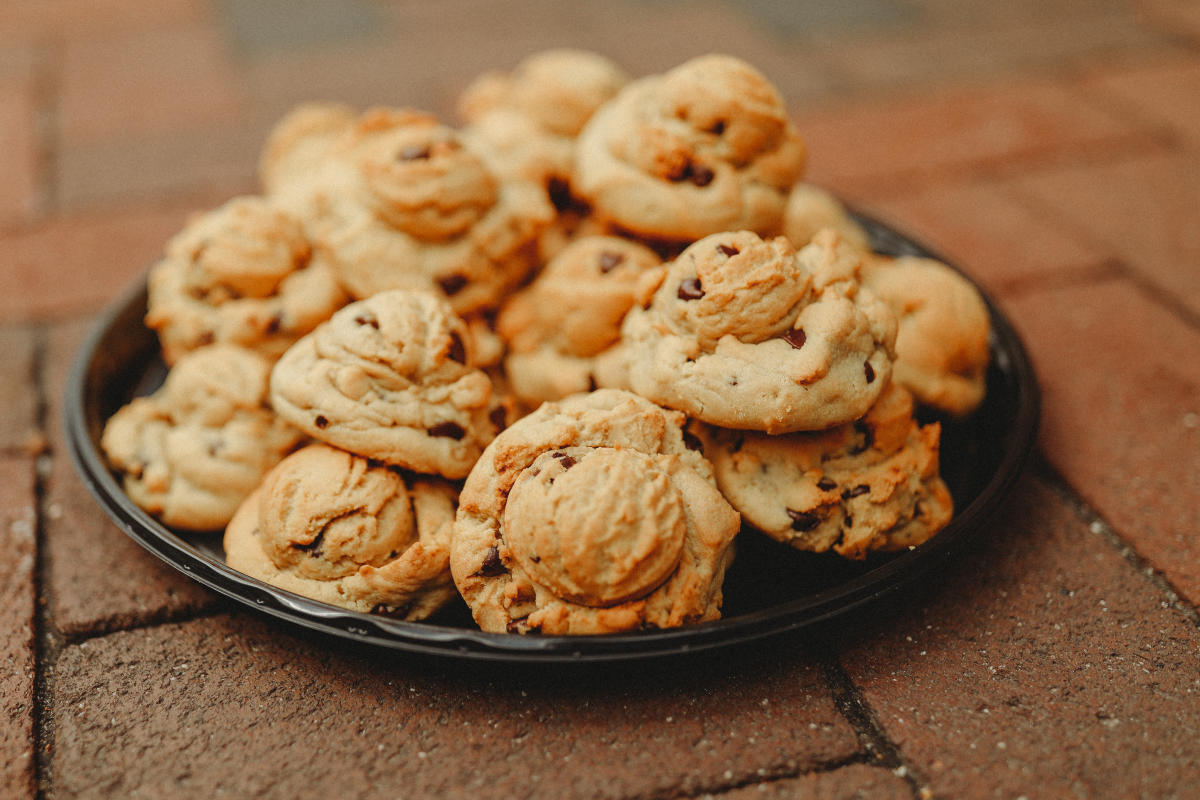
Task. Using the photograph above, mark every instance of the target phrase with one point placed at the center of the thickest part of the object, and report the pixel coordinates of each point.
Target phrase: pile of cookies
(552, 360)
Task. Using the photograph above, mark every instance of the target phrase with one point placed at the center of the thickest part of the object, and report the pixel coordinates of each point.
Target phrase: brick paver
(231, 706)
(17, 543)
(1045, 667)
(844, 783)
(18, 152)
(1163, 92)
(1122, 401)
(19, 421)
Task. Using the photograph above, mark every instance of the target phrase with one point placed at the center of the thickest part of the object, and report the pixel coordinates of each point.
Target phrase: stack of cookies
(553, 361)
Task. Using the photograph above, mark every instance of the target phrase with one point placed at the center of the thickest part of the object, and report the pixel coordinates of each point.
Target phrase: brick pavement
(1052, 148)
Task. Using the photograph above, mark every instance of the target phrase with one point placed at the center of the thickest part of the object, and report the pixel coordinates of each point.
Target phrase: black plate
(769, 589)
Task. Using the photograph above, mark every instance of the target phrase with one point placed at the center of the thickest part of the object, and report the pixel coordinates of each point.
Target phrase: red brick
(229, 706)
(1047, 666)
(1143, 210)
(99, 579)
(132, 84)
(980, 226)
(894, 145)
(844, 783)
(18, 423)
(17, 542)
(1121, 386)
(1163, 93)
(80, 262)
(1178, 17)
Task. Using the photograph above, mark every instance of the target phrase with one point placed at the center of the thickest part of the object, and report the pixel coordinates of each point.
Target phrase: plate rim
(443, 640)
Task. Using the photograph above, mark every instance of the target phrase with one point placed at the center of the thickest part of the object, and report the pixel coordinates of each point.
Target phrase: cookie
(402, 202)
(245, 274)
(592, 515)
(391, 378)
(192, 451)
(704, 148)
(870, 485)
(811, 209)
(341, 529)
(561, 330)
(528, 118)
(942, 350)
(296, 159)
(749, 333)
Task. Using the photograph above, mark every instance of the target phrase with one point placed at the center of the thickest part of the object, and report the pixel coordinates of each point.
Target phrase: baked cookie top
(703, 148)
(749, 333)
(528, 118)
(403, 202)
(560, 328)
(811, 209)
(869, 485)
(192, 451)
(592, 515)
(341, 529)
(244, 273)
(942, 350)
(391, 378)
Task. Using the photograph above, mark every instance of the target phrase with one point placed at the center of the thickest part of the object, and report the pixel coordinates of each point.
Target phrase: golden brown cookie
(402, 202)
(748, 333)
(942, 350)
(703, 148)
(811, 209)
(391, 378)
(561, 330)
(592, 515)
(341, 529)
(195, 449)
(243, 274)
(868, 485)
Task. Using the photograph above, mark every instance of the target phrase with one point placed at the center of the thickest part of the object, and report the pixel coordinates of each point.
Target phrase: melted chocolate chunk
(795, 337)
(861, 489)
(864, 430)
(275, 322)
(803, 520)
(492, 565)
(689, 289)
(592, 386)
(826, 484)
(717, 128)
(313, 548)
(367, 319)
(321, 421)
(610, 261)
(499, 417)
(458, 352)
(414, 152)
(870, 371)
(728, 250)
(452, 284)
(697, 174)
(566, 461)
(448, 430)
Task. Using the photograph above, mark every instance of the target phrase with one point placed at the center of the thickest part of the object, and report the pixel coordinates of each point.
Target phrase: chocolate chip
(206, 337)
(592, 383)
(566, 461)
(849, 524)
(610, 261)
(414, 152)
(313, 548)
(861, 489)
(492, 565)
(868, 437)
(698, 174)
(499, 417)
(717, 127)
(215, 446)
(367, 319)
(826, 484)
(275, 322)
(692, 442)
(689, 289)
(803, 520)
(452, 284)
(458, 352)
(795, 337)
(728, 250)
(870, 371)
(449, 430)
(733, 381)
(321, 421)
(536, 559)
